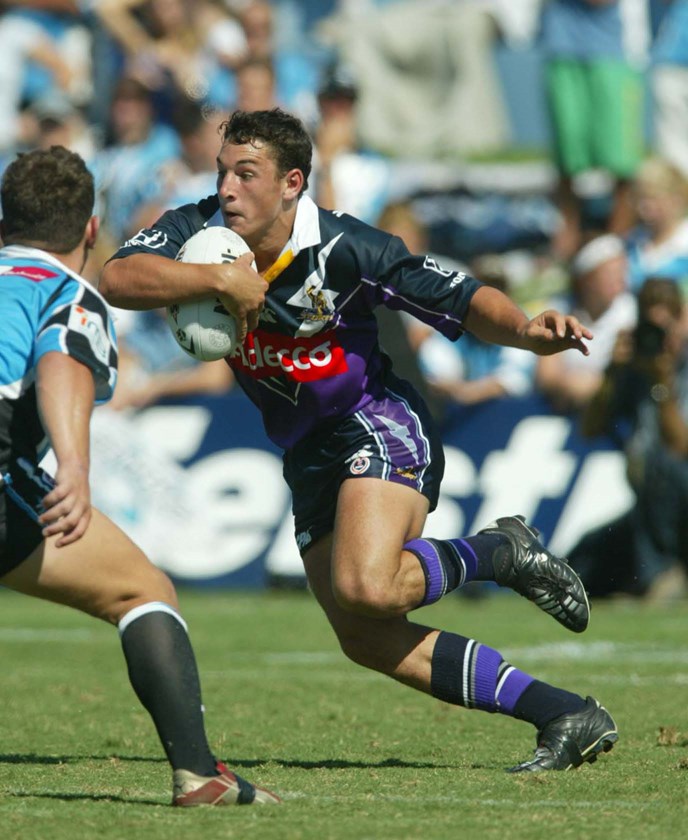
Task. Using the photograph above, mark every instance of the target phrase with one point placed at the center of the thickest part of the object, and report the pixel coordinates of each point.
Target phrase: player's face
(251, 191)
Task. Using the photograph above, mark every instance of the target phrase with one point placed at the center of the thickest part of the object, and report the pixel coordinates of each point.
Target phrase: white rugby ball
(203, 328)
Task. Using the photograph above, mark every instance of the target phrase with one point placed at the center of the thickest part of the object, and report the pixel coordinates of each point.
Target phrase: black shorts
(392, 438)
(21, 495)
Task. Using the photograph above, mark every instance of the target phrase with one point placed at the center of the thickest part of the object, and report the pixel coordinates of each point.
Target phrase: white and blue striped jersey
(45, 307)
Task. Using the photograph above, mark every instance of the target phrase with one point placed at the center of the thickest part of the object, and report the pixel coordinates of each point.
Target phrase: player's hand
(68, 505)
(243, 293)
(551, 332)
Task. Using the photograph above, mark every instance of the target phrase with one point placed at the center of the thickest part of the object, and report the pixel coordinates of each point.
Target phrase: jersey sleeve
(420, 286)
(171, 230)
(76, 321)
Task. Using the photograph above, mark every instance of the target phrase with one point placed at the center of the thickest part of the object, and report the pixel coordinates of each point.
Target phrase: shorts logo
(359, 466)
(407, 472)
(303, 539)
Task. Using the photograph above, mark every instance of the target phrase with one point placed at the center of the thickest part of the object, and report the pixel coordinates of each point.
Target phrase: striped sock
(468, 673)
(450, 564)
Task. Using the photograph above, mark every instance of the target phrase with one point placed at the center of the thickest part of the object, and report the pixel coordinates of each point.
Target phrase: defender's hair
(290, 145)
(47, 199)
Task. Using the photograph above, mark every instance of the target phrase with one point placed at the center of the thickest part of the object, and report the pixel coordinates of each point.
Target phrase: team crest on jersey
(316, 301)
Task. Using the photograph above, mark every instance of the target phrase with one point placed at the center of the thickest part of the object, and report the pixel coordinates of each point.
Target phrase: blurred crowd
(417, 112)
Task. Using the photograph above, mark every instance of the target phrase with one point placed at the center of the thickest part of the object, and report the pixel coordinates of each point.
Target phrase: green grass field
(352, 754)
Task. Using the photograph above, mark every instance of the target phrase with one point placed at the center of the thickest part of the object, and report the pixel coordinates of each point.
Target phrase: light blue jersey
(44, 307)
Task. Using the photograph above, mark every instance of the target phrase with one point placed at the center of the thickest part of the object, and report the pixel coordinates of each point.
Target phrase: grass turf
(353, 754)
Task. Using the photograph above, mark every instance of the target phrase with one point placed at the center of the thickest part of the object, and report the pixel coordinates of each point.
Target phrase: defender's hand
(68, 505)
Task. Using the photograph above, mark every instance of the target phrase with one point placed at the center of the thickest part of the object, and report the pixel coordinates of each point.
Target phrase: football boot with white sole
(571, 740)
(528, 568)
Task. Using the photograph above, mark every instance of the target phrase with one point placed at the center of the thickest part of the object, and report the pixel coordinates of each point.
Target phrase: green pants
(596, 109)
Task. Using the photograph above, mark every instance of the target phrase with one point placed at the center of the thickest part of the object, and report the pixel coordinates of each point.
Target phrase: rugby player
(57, 355)
(361, 456)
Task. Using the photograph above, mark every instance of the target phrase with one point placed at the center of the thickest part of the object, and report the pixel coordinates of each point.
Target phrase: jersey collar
(305, 234)
(26, 252)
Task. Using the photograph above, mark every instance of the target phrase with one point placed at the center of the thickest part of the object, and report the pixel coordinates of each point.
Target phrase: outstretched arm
(65, 392)
(494, 317)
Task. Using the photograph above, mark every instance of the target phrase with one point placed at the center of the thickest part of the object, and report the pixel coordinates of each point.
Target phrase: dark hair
(290, 145)
(188, 116)
(660, 291)
(47, 199)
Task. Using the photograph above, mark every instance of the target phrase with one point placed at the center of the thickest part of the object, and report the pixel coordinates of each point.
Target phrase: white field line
(593, 653)
(45, 634)
(462, 801)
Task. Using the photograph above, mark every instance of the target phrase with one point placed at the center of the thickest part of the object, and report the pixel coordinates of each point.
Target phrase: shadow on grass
(33, 758)
(322, 764)
(89, 797)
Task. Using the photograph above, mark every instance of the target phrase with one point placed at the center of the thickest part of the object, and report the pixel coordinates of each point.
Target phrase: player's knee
(152, 585)
(363, 597)
(361, 649)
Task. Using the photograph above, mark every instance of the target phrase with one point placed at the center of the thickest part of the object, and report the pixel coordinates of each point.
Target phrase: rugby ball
(203, 328)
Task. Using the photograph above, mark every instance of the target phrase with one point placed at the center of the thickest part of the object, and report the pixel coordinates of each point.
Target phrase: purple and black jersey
(315, 355)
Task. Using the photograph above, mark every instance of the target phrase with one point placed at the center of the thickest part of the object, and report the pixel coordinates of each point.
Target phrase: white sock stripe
(468, 653)
(144, 609)
(500, 684)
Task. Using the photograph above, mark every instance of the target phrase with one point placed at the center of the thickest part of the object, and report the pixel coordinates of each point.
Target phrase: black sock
(540, 703)
(163, 673)
(484, 547)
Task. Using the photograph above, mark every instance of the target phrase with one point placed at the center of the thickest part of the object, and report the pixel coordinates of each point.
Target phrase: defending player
(362, 458)
(58, 354)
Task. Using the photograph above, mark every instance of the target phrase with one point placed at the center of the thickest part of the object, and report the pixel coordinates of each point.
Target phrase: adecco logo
(300, 359)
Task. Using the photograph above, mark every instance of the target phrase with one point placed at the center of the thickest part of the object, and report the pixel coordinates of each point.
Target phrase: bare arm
(65, 392)
(117, 17)
(149, 281)
(494, 317)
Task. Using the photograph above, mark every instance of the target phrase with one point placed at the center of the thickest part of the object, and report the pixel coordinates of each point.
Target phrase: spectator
(58, 122)
(256, 89)
(670, 86)
(129, 170)
(646, 385)
(420, 93)
(194, 171)
(347, 177)
(600, 299)
(26, 45)
(658, 246)
(188, 47)
(594, 90)
(296, 74)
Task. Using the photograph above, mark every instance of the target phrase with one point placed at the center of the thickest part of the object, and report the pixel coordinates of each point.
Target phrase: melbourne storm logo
(316, 301)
